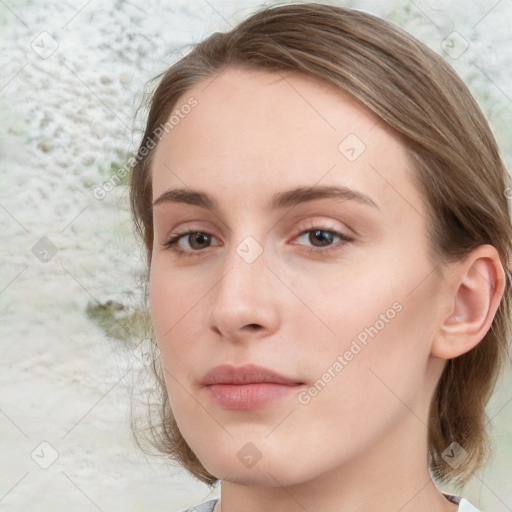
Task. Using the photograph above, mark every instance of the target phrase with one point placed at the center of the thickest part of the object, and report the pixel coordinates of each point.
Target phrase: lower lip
(249, 396)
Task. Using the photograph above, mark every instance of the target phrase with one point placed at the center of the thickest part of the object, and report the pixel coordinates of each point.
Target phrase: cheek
(173, 300)
(382, 322)
(369, 376)
(169, 316)
(178, 323)
(159, 297)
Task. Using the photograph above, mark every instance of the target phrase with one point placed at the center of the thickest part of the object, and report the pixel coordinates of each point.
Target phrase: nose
(244, 302)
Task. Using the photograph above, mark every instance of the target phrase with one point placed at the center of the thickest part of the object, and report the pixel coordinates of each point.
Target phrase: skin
(362, 439)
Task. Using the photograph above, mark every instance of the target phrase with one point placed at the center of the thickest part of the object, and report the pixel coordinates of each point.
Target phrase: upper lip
(246, 374)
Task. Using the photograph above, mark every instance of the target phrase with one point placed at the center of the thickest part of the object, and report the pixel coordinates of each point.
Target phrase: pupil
(199, 238)
(324, 237)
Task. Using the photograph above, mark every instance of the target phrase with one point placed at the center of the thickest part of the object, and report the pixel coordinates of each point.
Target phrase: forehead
(258, 131)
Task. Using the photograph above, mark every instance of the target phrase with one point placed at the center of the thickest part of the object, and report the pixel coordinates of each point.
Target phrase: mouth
(247, 387)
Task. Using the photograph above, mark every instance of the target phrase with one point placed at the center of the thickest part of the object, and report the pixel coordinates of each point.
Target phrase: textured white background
(64, 120)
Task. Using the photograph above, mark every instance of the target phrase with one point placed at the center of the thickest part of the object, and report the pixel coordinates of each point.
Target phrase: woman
(328, 241)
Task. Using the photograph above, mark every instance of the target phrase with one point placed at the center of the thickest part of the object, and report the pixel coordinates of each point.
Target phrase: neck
(392, 476)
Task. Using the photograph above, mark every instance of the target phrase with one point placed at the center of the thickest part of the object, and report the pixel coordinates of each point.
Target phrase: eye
(197, 240)
(322, 239)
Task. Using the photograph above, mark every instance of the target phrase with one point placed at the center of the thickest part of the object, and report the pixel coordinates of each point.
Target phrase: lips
(247, 387)
(247, 374)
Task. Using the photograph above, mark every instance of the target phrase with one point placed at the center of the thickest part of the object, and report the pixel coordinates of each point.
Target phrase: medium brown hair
(457, 168)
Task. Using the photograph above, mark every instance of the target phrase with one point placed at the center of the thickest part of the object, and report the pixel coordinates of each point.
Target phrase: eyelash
(172, 244)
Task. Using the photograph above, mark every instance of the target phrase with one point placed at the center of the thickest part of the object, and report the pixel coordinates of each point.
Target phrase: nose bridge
(242, 297)
(244, 272)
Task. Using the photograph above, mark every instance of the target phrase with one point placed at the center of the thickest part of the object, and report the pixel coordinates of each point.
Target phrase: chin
(268, 471)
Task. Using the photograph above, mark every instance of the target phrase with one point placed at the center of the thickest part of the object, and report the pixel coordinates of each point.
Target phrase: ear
(476, 286)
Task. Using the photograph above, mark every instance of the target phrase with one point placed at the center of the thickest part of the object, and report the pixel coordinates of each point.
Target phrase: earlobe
(478, 286)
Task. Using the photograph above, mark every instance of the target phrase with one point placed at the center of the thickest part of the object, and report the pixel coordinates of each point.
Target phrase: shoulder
(465, 506)
(208, 506)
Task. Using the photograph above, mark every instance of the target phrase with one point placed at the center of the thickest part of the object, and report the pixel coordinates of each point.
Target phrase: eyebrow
(279, 200)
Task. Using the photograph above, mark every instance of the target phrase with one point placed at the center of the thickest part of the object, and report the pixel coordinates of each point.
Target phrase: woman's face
(308, 258)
